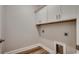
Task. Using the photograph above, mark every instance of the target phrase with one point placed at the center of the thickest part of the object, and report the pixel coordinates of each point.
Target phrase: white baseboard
(29, 47)
(48, 49)
(77, 52)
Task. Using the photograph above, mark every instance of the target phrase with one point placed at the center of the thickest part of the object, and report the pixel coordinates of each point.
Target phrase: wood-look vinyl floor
(37, 50)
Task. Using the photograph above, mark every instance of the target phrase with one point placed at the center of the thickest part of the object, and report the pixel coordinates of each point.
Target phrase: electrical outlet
(65, 34)
(43, 31)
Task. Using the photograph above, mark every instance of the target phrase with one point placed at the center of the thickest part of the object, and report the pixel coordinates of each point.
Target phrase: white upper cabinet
(56, 13)
(68, 12)
(41, 15)
(53, 12)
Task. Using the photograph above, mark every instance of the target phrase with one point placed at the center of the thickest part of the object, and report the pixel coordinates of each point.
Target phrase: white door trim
(64, 46)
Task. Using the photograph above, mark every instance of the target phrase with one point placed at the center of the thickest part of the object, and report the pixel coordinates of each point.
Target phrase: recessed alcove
(63, 31)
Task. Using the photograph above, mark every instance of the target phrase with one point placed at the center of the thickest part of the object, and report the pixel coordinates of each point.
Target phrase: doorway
(59, 49)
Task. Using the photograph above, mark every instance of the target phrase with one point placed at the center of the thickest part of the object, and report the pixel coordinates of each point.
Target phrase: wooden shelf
(53, 22)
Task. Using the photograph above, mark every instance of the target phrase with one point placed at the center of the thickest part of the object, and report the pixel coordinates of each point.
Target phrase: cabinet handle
(56, 16)
(59, 16)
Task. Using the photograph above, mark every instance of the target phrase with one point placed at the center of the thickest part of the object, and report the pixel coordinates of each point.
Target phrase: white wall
(20, 27)
(0, 20)
(55, 32)
(1, 10)
(38, 7)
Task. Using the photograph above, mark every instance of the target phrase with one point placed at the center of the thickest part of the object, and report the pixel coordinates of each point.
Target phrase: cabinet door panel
(68, 12)
(53, 12)
(41, 15)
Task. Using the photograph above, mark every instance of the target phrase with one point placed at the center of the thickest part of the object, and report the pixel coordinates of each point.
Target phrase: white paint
(48, 43)
(53, 12)
(57, 12)
(48, 49)
(30, 47)
(77, 30)
(62, 44)
(20, 30)
(0, 21)
(1, 47)
(41, 15)
(38, 7)
(68, 12)
(55, 32)
(77, 52)
(22, 49)
(20, 27)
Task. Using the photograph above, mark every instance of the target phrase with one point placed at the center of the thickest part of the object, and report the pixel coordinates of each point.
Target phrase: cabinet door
(53, 12)
(68, 12)
(41, 15)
